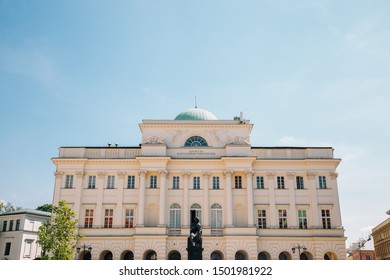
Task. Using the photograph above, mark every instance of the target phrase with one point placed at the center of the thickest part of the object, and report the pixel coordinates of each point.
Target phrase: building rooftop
(28, 211)
(196, 114)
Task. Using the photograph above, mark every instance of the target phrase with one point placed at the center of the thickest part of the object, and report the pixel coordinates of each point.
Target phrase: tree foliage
(45, 207)
(58, 236)
(6, 208)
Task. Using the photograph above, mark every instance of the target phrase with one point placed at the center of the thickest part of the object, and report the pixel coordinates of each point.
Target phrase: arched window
(263, 256)
(150, 255)
(196, 141)
(106, 255)
(216, 216)
(174, 255)
(128, 255)
(196, 211)
(216, 255)
(240, 255)
(175, 216)
(283, 256)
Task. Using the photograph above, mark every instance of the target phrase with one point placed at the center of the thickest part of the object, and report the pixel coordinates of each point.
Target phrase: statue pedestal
(194, 252)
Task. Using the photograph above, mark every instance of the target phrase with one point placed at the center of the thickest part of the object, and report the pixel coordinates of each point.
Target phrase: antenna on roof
(196, 105)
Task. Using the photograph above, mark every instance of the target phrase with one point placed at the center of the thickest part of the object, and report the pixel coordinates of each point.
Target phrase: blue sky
(306, 73)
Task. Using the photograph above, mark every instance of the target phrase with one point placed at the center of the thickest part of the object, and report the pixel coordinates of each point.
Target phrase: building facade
(381, 236)
(18, 234)
(253, 202)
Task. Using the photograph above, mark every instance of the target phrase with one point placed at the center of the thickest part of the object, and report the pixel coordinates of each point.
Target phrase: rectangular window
(282, 218)
(322, 182)
(131, 182)
(88, 218)
(238, 182)
(215, 183)
(108, 218)
(69, 182)
(300, 184)
(260, 182)
(91, 182)
(176, 182)
(129, 218)
(261, 219)
(17, 227)
(27, 248)
(196, 183)
(302, 219)
(153, 182)
(7, 250)
(280, 182)
(110, 181)
(326, 219)
(4, 225)
(11, 225)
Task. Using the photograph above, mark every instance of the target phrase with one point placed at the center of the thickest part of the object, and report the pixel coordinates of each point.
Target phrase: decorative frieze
(271, 175)
(58, 174)
(311, 175)
(333, 175)
(290, 175)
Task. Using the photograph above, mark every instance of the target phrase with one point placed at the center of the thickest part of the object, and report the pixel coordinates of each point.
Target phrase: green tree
(45, 207)
(8, 207)
(58, 236)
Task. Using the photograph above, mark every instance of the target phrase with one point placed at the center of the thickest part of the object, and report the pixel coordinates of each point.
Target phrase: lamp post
(298, 247)
(84, 248)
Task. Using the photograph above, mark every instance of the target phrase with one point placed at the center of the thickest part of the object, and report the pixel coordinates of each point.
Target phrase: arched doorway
(174, 255)
(216, 255)
(241, 255)
(306, 256)
(150, 255)
(263, 255)
(106, 255)
(330, 256)
(284, 256)
(128, 255)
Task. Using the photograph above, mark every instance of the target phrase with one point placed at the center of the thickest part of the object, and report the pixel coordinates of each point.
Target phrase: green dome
(196, 114)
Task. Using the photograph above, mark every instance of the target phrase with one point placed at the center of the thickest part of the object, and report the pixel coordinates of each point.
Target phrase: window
(175, 216)
(69, 182)
(302, 219)
(11, 225)
(7, 250)
(261, 219)
(216, 216)
(260, 182)
(153, 181)
(280, 182)
(176, 182)
(17, 227)
(91, 182)
(325, 219)
(215, 183)
(322, 182)
(108, 217)
(88, 223)
(195, 141)
(282, 218)
(196, 183)
(129, 218)
(27, 247)
(300, 184)
(238, 182)
(4, 225)
(131, 182)
(196, 211)
(110, 182)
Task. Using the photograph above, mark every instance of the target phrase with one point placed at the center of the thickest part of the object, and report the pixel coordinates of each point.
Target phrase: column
(336, 205)
(313, 199)
(292, 215)
(78, 188)
(229, 198)
(206, 201)
(249, 194)
(163, 198)
(58, 185)
(98, 218)
(272, 206)
(118, 212)
(141, 198)
(186, 210)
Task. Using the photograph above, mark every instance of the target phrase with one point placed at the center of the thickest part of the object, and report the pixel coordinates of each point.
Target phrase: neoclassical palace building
(253, 202)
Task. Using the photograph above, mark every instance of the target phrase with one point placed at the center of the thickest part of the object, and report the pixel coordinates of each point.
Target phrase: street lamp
(84, 248)
(299, 247)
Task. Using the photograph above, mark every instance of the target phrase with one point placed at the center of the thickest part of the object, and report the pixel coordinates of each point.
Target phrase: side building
(381, 236)
(253, 202)
(18, 234)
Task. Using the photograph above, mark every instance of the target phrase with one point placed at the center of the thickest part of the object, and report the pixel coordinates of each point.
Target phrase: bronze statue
(196, 232)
